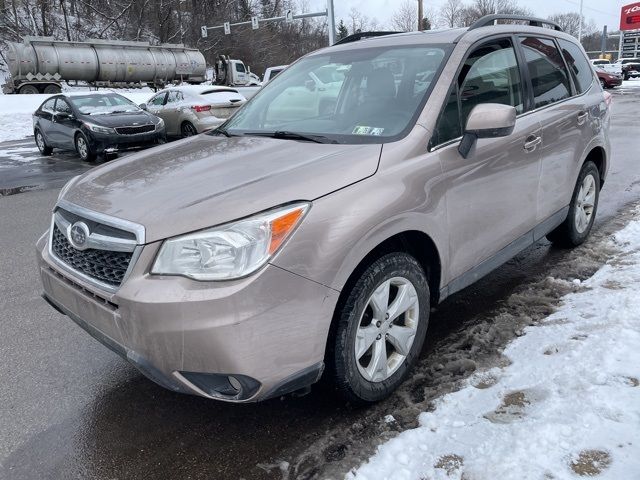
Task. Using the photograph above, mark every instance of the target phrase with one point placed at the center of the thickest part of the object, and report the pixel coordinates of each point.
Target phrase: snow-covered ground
(16, 111)
(567, 405)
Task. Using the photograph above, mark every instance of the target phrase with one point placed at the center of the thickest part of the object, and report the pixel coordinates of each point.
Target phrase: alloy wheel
(83, 149)
(387, 329)
(585, 203)
(40, 142)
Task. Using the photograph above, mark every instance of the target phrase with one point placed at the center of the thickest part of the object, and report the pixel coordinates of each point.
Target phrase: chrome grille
(133, 130)
(103, 265)
(98, 248)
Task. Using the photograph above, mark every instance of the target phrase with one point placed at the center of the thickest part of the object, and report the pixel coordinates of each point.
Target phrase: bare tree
(451, 13)
(480, 8)
(405, 18)
(570, 23)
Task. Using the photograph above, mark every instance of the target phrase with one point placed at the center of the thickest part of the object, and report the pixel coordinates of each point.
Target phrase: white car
(192, 109)
(271, 73)
(607, 66)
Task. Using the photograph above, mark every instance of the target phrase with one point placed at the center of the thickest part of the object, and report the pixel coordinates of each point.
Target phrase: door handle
(582, 117)
(532, 142)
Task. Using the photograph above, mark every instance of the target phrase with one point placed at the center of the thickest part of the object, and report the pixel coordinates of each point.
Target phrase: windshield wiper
(223, 132)
(287, 135)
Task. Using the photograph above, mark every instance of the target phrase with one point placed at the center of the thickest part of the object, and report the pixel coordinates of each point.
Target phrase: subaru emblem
(78, 235)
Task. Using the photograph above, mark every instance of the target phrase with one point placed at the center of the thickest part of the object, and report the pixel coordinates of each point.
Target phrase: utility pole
(331, 21)
(603, 43)
(580, 25)
(420, 15)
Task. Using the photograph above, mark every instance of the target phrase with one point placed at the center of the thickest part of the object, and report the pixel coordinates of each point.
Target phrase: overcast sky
(603, 12)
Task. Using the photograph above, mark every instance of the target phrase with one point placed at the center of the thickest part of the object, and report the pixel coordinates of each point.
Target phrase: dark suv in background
(93, 124)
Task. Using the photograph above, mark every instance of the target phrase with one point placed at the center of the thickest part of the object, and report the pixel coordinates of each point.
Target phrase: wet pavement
(69, 408)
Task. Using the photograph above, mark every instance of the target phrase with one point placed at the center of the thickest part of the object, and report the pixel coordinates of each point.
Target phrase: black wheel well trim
(598, 156)
(413, 242)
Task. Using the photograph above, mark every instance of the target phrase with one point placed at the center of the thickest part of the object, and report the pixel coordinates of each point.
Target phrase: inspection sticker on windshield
(361, 130)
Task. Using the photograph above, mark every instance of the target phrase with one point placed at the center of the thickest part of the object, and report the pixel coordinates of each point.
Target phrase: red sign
(630, 17)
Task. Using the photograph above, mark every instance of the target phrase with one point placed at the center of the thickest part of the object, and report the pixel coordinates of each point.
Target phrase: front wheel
(582, 210)
(83, 149)
(380, 329)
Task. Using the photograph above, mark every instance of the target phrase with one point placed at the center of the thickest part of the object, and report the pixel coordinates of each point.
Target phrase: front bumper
(268, 331)
(111, 143)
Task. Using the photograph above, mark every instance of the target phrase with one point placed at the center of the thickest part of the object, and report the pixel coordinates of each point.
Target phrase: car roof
(199, 89)
(91, 93)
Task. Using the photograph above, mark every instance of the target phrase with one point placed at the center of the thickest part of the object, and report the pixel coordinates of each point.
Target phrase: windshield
(103, 104)
(357, 96)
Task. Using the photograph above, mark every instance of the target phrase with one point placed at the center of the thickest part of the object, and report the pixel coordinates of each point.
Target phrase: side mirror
(143, 106)
(487, 120)
(311, 85)
(62, 115)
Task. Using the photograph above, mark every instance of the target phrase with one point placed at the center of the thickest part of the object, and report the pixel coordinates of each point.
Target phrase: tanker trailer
(42, 64)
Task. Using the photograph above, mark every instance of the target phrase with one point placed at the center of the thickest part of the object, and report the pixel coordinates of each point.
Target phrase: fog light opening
(235, 383)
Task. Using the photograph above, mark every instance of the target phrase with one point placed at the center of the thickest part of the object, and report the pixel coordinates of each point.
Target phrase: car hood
(207, 180)
(120, 119)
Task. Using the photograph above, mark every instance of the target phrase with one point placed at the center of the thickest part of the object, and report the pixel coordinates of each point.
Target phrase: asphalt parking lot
(72, 409)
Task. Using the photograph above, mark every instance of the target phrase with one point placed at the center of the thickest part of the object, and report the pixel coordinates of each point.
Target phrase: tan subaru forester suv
(313, 231)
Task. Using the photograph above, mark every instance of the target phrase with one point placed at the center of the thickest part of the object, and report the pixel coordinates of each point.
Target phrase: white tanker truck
(42, 64)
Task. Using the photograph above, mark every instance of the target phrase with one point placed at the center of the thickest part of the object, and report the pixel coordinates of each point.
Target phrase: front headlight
(160, 124)
(98, 128)
(229, 251)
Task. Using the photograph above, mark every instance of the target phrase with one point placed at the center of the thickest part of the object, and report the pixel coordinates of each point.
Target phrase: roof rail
(533, 21)
(361, 36)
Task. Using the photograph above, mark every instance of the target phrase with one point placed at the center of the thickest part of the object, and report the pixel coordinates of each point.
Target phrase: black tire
(52, 89)
(42, 144)
(85, 154)
(603, 84)
(188, 130)
(29, 90)
(342, 363)
(568, 235)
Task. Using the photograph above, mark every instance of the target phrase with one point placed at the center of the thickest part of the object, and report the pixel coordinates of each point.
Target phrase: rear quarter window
(579, 67)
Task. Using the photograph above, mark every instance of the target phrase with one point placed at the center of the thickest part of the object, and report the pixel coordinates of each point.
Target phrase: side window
(549, 76)
(48, 106)
(158, 100)
(448, 125)
(62, 106)
(240, 68)
(490, 75)
(579, 67)
(174, 96)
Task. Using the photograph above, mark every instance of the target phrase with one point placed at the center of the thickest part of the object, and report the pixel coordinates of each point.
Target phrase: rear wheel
(380, 329)
(83, 149)
(582, 210)
(188, 130)
(52, 89)
(41, 144)
(29, 90)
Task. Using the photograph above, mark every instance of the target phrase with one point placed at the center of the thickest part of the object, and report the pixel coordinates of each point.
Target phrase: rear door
(562, 111)
(491, 195)
(45, 120)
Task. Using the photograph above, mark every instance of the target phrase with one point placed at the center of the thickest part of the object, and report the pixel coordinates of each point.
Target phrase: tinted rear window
(579, 67)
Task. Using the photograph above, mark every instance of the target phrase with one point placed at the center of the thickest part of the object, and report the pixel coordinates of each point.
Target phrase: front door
(62, 126)
(492, 194)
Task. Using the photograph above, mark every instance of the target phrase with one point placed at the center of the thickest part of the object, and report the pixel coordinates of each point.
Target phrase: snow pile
(567, 406)
(16, 111)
